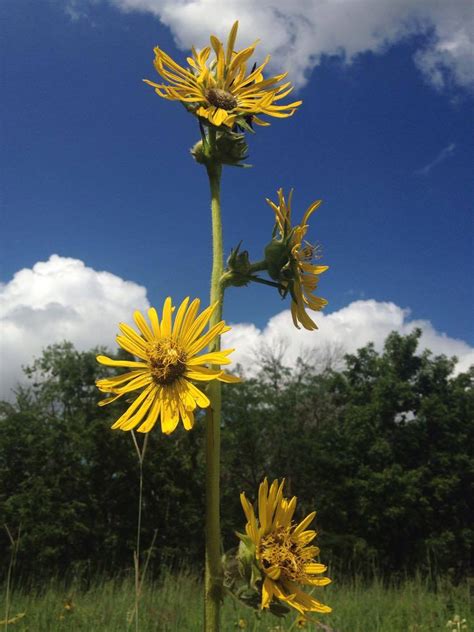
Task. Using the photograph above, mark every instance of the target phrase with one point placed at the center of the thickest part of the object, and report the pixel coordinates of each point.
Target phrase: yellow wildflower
(282, 550)
(297, 274)
(167, 368)
(221, 90)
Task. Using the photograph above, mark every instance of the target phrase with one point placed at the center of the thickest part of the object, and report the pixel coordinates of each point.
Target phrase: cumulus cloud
(60, 299)
(63, 299)
(345, 330)
(299, 33)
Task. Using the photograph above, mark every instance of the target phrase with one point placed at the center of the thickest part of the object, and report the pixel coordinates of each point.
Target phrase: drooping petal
(267, 592)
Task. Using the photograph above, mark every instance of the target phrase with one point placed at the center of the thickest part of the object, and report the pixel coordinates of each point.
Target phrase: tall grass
(174, 604)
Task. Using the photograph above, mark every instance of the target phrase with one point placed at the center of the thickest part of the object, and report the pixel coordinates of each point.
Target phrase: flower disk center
(221, 98)
(167, 361)
(280, 549)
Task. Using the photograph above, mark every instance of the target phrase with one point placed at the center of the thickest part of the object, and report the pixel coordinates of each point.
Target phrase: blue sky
(95, 166)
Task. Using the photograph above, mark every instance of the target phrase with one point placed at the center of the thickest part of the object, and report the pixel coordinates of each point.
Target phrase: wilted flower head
(219, 89)
(167, 368)
(280, 550)
(289, 260)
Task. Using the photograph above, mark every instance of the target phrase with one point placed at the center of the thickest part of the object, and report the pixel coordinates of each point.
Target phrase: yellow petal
(273, 572)
(231, 42)
(130, 333)
(119, 379)
(194, 330)
(202, 374)
(150, 421)
(133, 407)
(188, 321)
(131, 347)
(155, 322)
(109, 400)
(217, 357)
(201, 343)
(228, 378)
(310, 211)
(187, 417)
(165, 324)
(143, 326)
(169, 412)
(132, 422)
(218, 116)
(125, 363)
(314, 568)
(246, 506)
(267, 592)
(133, 385)
(198, 396)
(178, 321)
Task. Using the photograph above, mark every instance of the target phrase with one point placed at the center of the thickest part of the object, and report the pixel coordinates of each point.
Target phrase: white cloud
(60, 299)
(445, 153)
(63, 299)
(299, 32)
(348, 329)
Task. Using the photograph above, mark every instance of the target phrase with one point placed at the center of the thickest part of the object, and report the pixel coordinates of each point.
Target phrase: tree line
(381, 447)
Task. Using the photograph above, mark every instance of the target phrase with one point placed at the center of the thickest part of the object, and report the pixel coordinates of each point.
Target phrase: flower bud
(229, 149)
(277, 255)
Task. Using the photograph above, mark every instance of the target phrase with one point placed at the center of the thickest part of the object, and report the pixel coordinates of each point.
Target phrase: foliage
(358, 606)
(382, 448)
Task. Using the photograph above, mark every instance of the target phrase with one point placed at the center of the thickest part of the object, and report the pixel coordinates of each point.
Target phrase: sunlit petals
(133, 337)
(131, 347)
(198, 396)
(107, 384)
(304, 523)
(164, 379)
(279, 547)
(306, 603)
(178, 321)
(247, 94)
(217, 357)
(202, 374)
(267, 592)
(315, 568)
(133, 407)
(204, 341)
(122, 363)
(194, 330)
(109, 400)
(141, 380)
(298, 275)
(142, 326)
(148, 425)
(227, 378)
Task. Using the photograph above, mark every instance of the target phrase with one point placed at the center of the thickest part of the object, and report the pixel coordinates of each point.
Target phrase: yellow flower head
(282, 550)
(167, 368)
(220, 89)
(295, 271)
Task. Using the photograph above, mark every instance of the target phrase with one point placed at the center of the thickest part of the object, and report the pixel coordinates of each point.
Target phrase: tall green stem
(213, 576)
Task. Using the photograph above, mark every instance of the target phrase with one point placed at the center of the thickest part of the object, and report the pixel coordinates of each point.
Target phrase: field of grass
(174, 604)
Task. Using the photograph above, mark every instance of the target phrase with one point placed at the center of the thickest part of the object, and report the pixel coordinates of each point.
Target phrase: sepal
(244, 579)
(230, 148)
(238, 267)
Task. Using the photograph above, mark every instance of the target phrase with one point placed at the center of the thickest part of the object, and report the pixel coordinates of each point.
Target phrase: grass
(174, 604)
